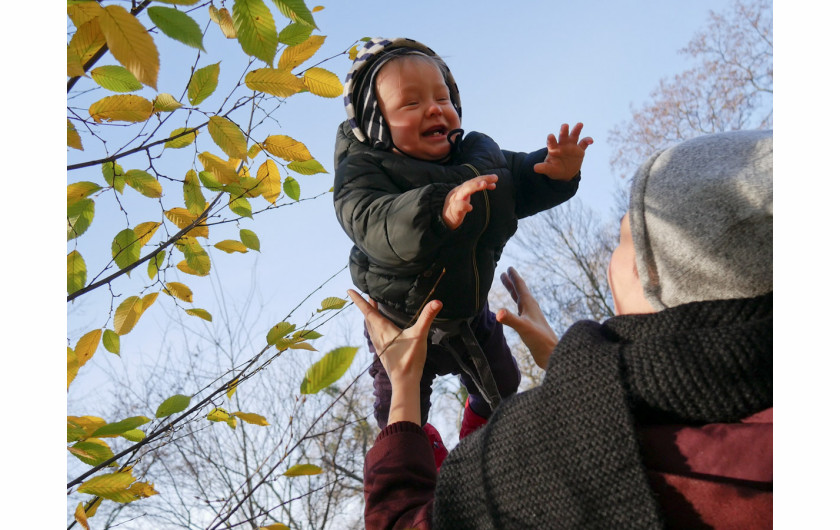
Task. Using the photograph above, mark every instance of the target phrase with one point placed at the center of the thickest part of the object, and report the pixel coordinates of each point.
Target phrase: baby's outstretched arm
(565, 153)
(457, 202)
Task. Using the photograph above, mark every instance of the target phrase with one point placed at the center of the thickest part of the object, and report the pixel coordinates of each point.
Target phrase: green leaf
(302, 470)
(274, 82)
(92, 451)
(295, 10)
(328, 370)
(118, 487)
(111, 341)
(255, 29)
(228, 137)
(181, 141)
(115, 78)
(309, 167)
(249, 239)
(295, 33)
(173, 404)
(291, 188)
(179, 2)
(200, 313)
(331, 303)
(203, 83)
(177, 25)
(279, 330)
(113, 175)
(125, 249)
(134, 435)
(155, 264)
(193, 198)
(144, 183)
(306, 334)
(76, 272)
(197, 258)
(79, 218)
(208, 179)
(117, 428)
(240, 206)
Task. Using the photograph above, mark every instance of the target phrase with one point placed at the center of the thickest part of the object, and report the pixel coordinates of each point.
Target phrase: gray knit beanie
(701, 216)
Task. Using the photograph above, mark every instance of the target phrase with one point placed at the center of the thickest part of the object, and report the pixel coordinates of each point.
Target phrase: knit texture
(701, 215)
(565, 455)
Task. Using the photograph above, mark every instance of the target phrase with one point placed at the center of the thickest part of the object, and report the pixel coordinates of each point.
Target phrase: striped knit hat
(363, 112)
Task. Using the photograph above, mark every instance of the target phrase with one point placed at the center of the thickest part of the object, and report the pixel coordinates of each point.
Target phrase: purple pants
(488, 332)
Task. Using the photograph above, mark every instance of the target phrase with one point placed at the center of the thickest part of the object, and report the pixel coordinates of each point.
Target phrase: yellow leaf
(223, 19)
(274, 82)
(127, 314)
(227, 135)
(143, 182)
(76, 272)
(254, 150)
(354, 51)
(118, 487)
(296, 55)
(230, 246)
(72, 366)
(84, 44)
(92, 507)
(218, 414)
(303, 469)
(196, 256)
(130, 43)
(166, 103)
(183, 267)
(80, 190)
(271, 183)
(286, 148)
(183, 218)
(274, 526)
(87, 424)
(127, 107)
(219, 168)
(249, 417)
(81, 516)
(302, 346)
(148, 300)
(317, 8)
(179, 291)
(83, 11)
(180, 140)
(322, 83)
(200, 313)
(145, 231)
(73, 138)
(232, 388)
(87, 345)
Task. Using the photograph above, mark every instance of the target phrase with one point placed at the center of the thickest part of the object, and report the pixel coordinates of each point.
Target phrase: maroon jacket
(718, 475)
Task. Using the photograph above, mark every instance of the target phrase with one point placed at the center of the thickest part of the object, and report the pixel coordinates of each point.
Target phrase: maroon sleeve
(718, 475)
(400, 479)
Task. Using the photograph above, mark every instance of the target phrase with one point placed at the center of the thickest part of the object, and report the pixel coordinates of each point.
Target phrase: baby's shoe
(471, 422)
(437, 444)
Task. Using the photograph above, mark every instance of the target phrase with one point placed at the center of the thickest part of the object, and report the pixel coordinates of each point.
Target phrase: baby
(430, 210)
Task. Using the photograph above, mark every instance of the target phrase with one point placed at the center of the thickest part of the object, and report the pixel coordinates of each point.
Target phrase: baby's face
(415, 103)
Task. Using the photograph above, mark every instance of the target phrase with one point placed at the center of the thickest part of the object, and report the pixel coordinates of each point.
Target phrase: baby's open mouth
(440, 130)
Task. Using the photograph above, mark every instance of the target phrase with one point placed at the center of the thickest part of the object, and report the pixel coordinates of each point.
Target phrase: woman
(661, 416)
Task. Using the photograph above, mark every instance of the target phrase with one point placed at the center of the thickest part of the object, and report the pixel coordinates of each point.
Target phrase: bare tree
(729, 88)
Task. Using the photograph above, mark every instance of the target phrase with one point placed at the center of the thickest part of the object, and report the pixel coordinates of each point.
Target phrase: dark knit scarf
(565, 455)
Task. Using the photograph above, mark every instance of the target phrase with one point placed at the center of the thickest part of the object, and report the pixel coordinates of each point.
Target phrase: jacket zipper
(475, 244)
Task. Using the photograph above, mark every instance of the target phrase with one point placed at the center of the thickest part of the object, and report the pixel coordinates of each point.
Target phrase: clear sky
(522, 68)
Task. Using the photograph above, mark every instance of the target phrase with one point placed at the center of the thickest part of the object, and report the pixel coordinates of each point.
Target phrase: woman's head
(701, 222)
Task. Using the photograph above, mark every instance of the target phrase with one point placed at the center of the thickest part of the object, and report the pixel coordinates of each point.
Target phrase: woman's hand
(402, 352)
(530, 322)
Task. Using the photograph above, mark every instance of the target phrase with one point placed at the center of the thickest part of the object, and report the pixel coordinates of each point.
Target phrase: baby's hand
(565, 154)
(457, 202)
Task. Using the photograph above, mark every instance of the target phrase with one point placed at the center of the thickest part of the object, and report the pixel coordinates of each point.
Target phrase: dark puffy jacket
(391, 207)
